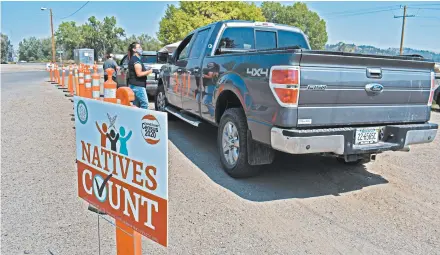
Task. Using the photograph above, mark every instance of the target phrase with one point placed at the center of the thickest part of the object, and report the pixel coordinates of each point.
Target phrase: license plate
(367, 135)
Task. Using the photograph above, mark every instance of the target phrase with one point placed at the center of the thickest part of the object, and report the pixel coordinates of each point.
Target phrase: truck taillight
(284, 82)
(431, 94)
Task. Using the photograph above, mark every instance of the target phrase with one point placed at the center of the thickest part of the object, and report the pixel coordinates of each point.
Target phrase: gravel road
(299, 205)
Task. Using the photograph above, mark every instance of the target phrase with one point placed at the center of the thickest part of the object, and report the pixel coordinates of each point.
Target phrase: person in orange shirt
(103, 133)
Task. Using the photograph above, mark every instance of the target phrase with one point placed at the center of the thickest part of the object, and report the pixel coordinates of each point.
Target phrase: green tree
(110, 34)
(6, 47)
(300, 16)
(92, 34)
(102, 36)
(179, 21)
(69, 37)
(30, 49)
(149, 43)
(46, 49)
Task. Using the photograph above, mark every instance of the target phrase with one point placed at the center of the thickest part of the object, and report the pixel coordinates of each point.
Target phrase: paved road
(299, 205)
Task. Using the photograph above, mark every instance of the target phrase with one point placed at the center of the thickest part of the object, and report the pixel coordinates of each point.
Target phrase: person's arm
(128, 136)
(209, 75)
(116, 65)
(139, 72)
(99, 129)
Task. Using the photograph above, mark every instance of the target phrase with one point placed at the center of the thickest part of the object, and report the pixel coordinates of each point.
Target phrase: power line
(428, 17)
(424, 8)
(355, 11)
(362, 13)
(412, 5)
(76, 10)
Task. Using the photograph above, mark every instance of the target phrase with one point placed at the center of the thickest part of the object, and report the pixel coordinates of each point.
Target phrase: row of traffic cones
(81, 82)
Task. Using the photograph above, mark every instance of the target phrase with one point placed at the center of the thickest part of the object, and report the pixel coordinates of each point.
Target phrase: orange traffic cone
(88, 83)
(81, 82)
(76, 80)
(55, 73)
(125, 95)
(70, 82)
(110, 87)
(58, 75)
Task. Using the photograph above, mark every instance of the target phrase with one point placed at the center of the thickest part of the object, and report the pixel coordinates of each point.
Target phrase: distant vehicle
(267, 91)
(148, 59)
(4, 62)
(22, 61)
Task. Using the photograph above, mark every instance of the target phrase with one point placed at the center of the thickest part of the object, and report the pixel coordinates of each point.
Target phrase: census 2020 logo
(150, 129)
(82, 112)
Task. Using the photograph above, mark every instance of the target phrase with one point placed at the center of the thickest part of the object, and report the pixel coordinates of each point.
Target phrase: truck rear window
(242, 38)
(266, 39)
(289, 38)
(238, 38)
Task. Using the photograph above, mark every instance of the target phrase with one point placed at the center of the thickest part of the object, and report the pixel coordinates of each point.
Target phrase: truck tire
(232, 144)
(160, 101)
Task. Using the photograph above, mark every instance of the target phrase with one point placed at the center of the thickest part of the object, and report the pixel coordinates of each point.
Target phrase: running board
(183, 116)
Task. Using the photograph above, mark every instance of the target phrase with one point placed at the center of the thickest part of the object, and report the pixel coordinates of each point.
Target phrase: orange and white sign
(122, 159)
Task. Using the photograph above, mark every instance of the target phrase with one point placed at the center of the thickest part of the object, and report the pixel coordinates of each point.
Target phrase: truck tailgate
(354, 89)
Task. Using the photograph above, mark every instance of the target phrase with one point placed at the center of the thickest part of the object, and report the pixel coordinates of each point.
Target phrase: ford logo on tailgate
(374, 88)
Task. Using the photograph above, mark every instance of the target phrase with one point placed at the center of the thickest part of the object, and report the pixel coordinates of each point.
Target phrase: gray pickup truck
(266, 90)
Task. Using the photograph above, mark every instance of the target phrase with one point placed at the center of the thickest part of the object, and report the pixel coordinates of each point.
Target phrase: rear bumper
(340, 141)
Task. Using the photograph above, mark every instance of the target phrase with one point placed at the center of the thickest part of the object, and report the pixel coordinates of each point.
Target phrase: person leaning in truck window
(137, 75)
(110, 63)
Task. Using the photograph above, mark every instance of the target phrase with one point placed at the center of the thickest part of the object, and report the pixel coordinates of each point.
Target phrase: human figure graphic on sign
(123, 141)
(103, 133)
(113, 137)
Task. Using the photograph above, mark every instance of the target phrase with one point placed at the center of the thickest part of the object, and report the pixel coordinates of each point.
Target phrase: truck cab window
(184, 53)
(237, 38)
(265, 39)
(199, 43)
(289, 38)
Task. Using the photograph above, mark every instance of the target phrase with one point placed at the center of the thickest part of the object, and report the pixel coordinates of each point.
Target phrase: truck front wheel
(160, 100)
(232, 144)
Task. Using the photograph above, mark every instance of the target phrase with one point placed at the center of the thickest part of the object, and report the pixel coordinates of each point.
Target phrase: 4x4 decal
(257, 71)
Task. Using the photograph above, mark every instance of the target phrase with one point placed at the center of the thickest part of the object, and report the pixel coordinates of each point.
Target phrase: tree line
(105, 36)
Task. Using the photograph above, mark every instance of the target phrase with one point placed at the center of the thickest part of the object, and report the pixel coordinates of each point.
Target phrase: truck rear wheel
(232, 144)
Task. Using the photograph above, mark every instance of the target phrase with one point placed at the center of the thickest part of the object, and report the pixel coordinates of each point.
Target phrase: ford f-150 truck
(266, 90)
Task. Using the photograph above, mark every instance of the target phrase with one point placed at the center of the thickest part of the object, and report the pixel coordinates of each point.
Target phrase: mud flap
(258, 153)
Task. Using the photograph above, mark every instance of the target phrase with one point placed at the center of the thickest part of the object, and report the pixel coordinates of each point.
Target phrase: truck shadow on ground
(290, 176)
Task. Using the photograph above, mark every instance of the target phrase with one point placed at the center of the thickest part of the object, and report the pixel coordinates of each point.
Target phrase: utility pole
(53, 37)
(403, 26)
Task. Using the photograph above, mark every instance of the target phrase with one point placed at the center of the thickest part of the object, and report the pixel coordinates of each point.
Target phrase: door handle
(374, 72)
